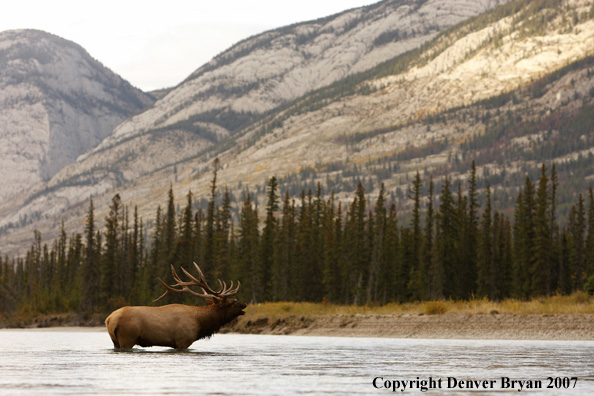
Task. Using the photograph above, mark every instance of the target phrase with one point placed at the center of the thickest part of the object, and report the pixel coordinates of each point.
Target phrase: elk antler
(207, 291)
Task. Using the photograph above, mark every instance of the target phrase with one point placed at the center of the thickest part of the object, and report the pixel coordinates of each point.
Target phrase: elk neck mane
(211, 319)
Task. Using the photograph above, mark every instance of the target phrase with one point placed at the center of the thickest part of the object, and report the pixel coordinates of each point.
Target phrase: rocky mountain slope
(56, 103)
(260, 74)
(489, 88)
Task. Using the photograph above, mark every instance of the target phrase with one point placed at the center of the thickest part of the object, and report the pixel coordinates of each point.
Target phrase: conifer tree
(447, 254)
(541, 271)
(469, 275)
(284, 252)
(222, 230)
(414, 284)
(248, 252)
(524, 240)
(377, 237)
(110, 265)
(267, 240)
(577, 229)
(389, 270)
(330, 259)
(463, 263)
(169, 243)
(209, 243)
(359, 255)
(185, 243)
(155, 267)
(486, 283)
(589, 244)
(430, 282)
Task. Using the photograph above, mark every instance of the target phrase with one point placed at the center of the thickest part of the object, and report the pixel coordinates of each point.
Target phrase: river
(82, 362)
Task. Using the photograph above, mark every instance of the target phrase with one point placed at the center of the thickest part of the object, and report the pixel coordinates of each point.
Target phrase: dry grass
(578, 303)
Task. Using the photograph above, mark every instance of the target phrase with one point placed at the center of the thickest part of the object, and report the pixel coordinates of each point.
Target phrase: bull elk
(175, 325)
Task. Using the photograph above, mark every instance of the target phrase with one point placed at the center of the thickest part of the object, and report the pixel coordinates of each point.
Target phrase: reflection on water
(73, 362)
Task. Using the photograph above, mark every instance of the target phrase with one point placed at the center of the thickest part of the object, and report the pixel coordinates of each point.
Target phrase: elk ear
(223, 302)
(210, 301)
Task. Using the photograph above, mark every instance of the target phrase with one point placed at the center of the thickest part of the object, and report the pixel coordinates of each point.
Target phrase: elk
(175, 325)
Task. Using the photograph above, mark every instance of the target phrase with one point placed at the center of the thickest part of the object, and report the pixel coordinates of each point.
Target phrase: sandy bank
(449, 326)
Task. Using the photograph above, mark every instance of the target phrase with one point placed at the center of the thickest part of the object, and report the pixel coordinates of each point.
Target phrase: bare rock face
(266, 71)
(56, 103)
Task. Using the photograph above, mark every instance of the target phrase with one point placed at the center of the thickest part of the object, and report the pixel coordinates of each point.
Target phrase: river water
(82, 362)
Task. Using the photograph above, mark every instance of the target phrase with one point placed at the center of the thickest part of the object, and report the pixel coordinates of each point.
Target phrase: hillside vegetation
(317, 251)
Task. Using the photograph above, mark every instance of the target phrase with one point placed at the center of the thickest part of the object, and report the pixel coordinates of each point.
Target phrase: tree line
(314, 248)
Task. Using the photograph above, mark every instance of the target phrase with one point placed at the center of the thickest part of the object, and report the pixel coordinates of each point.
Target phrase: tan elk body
(175, 325)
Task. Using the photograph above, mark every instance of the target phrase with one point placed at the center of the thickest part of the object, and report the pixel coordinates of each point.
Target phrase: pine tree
(185, 243)
(209, 243)
(248, 252)
(486, 283)
(110, 265)
(463, 263)
(267, 240)
(378, 236)
(168, 251)
(415, 284)
(222, 229)
(589, 244)
(524, 240)
(359, 255)
(428, 245)
(136, 262)
(389, 270)
(448, 234)
(331, 253)
(283, 254)
(577, 229)
(541, 270)
(469, 275)
(155, 267)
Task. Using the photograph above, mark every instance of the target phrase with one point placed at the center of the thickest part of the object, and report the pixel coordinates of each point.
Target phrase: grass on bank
(577, 303)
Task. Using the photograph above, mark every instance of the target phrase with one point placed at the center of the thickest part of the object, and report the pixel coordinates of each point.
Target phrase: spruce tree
(577, 229)
(377, 238)
(448, 235)
(209, 243)
(541, 270)
(414, 284)
(222, 229)
(486, 283)
(471, 234)
(91, 266)
(430, 282)
(248, 252)
(267, 240)
(283, 254)
(110, 264)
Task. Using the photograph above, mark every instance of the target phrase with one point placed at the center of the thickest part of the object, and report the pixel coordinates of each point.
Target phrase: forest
(312, 248)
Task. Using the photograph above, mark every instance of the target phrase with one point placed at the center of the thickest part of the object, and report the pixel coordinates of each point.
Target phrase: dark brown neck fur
(211, 318)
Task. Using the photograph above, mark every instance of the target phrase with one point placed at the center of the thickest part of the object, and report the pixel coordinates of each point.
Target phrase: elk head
(231, 307)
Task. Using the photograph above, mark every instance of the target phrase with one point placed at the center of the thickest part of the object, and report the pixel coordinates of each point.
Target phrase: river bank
(443, 326)
(440, 326)
(551, 318)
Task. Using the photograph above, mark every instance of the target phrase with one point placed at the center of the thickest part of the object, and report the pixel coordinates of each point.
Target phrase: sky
(157, 45)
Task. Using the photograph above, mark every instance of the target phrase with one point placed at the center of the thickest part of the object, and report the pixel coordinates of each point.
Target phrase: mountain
(261, 73)
(56, 103)
(492, 88)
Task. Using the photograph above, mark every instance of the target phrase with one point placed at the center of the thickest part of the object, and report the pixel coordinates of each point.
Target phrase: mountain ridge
(56, 103)
(392, 122)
